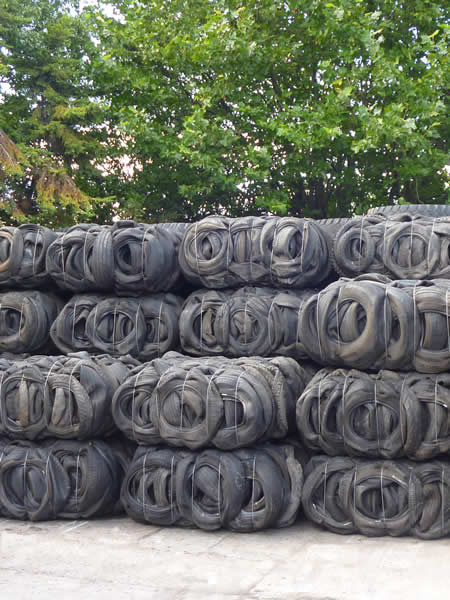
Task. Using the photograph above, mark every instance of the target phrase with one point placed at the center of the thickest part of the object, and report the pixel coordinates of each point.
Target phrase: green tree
(310, 107)
(50, 115)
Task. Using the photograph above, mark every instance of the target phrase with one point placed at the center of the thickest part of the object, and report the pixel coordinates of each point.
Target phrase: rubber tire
(427, 210)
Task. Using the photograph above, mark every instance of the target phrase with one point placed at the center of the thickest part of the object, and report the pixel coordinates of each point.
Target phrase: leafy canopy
(302, 106)
(50, 112)
(179, 109)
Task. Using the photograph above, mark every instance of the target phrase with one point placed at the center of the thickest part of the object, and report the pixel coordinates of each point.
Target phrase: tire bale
(383, 415)
(65, 397)
(244, 322)
(219, 402)
(371, 323)
(23, 252)
(244, 490)
(126, 258)
(25, 320)
(375, 498)
(144, 327)
(220, 252)
(401, 247)
(426, 210)
(59, 480)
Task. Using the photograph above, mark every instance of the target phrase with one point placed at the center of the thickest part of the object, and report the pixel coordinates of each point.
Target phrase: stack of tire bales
(125, 278)
(379, 425)
(27, 309)
(206, 424)
(57, 456)
(255, 271)
(213, 433)
(61, 455)
(295, 388)
(215, 428)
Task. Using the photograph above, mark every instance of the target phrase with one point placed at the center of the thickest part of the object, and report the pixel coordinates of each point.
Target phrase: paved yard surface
(119, 559)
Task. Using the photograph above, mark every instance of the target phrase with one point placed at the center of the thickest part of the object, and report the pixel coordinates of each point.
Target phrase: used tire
(428, 210)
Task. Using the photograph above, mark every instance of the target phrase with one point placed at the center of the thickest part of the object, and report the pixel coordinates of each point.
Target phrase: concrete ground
(119, 559)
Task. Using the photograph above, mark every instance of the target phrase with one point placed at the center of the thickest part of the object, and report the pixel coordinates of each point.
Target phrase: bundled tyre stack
(61, 454)
(380, 418)
(214, 424)
(252, 380)
(378, 427)
(55, 410)
(125, 280)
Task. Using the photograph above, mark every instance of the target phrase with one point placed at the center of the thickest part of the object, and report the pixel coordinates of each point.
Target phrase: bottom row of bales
(224, 443)
(242, 490)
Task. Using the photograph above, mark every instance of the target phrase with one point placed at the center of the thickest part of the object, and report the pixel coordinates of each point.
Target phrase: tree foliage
(306, 106)
(179, 109)
(50, 113)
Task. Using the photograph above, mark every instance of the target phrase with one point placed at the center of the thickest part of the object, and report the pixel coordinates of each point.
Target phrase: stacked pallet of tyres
(377, 416)
(79, 310)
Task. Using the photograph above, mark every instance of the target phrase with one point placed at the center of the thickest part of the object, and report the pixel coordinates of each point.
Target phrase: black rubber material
(66, 397)
(61, 480)
(378, 498)
(23, 252)
(145, 327)
(371, 323)
(244, 322)
(332, 226)
(244, 490)
(220, 252)
(334, 222)
(128, 258)
(220, 402)
(384, 415)
(401, 247)
(427, 210)
(25, 320)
